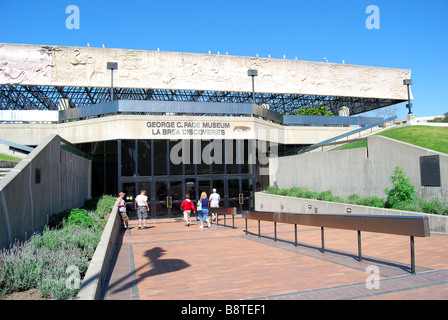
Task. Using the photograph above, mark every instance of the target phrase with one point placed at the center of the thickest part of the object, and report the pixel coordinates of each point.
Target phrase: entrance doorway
(165, 195)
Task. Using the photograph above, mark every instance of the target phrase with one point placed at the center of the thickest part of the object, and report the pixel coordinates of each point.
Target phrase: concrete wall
(26, 205)
(92, 284)
(136, 127)
(275, 203)
(364, 171)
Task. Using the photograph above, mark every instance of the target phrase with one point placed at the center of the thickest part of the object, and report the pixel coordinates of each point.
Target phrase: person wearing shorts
(121, 204)
(141, 204)
(214, 203)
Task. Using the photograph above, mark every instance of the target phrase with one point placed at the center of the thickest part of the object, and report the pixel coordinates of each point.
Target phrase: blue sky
(412, 34)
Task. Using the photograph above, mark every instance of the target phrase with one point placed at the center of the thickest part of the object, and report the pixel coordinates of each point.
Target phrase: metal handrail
(413, 226)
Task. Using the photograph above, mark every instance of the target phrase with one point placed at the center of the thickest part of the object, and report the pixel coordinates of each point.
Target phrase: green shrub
(325, 196)
(402, 191)
(412, 204)
(80, 217)
(57, 220)
(435, 207)
(366, 201)
(104, 206)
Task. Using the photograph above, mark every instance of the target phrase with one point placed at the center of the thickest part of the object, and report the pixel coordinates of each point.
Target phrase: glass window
(98, 169)
(190, 165)
(160, 158)
(233, 188)
(205, 159)
(111, 173)
(179, 154)
(217, 155)
(205, 186)
(144, 157)
(248, 156)
(128, 158)
(231, 147)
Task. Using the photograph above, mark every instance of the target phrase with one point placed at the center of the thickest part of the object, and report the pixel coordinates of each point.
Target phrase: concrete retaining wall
(268, 202)
(28, 202)
(364, 171)
(93, 280)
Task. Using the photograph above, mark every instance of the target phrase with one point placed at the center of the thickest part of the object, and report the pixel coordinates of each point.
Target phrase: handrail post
(275, 231)
(322, 237)
(359, 246)
(295, 236)
(412, 255)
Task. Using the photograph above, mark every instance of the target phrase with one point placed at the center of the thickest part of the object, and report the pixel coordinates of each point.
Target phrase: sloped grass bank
(55, 261)
(433, 138)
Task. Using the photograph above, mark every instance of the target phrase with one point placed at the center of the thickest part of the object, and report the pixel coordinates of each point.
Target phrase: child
(188, 206)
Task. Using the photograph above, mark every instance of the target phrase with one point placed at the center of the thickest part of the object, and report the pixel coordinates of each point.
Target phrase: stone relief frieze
(19, 64)
(77, 66)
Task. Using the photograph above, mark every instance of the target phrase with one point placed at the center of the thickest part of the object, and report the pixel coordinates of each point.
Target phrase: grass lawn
(9, 158)
(434, 138)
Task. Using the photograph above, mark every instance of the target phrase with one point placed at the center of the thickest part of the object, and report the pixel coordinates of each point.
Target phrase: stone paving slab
(169, 261)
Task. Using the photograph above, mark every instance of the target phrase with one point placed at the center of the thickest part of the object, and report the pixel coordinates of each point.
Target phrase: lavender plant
(43, 262)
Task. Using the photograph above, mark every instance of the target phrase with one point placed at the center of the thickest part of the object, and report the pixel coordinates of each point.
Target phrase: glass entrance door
(240, 194)
(132, 189)
(167, 198)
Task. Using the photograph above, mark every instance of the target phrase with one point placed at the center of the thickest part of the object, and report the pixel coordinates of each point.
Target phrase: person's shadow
(158, 266)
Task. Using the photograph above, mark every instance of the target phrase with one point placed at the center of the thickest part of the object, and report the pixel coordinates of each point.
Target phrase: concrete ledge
(276, 203)
(92, 283)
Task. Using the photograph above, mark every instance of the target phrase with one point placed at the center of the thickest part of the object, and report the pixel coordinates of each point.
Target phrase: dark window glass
(217, 155)
(111, 173)
(205, 159)
(231, 156)
(247, 156)
(190, 164)
(98, 169)
(160, 158)
(128, 158)
(144, 157)
(178, 155)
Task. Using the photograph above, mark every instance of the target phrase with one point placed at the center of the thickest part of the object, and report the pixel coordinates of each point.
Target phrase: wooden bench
(413, 226)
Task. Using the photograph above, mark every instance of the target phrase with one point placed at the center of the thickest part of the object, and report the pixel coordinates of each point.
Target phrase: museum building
(177, 123)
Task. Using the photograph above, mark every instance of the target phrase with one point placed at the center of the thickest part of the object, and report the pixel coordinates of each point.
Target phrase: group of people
(141, 205)
(203, 206)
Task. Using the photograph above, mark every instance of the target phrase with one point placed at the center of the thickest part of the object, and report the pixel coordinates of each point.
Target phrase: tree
(315, 111)
(441, 119)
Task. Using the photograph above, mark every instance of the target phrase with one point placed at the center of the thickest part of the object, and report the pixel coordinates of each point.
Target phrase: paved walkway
(169, 261)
